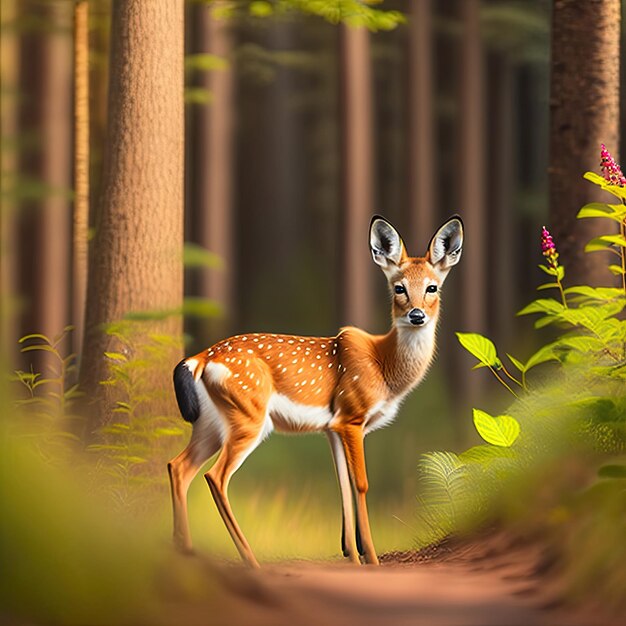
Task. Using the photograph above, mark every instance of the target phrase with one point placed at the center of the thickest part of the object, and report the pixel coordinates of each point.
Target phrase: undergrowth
(555, 463)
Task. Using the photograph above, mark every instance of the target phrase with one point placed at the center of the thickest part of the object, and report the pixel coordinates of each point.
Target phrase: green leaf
(606, 242)
(197, 256)
(548, 286)
(518, 364)
(168, 432)
(261, 9)
(201, 307)
(548, 270)
(34, 336)
(582, 343)
(614, 212)
(549, 306)
(596, 179)
(205, 61)
(116, 356)
(612, 471)
(485, 453)
(544, 354)
(480, 347)
(616, 269)
(198, 95)
(501, 430)
(560, 273)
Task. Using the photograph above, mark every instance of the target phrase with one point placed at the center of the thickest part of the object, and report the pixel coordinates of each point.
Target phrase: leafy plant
(580, 408)
(47, 403)
(132, 447)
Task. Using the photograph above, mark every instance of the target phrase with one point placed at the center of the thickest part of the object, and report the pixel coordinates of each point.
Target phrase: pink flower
(549, 249)
(610, 169)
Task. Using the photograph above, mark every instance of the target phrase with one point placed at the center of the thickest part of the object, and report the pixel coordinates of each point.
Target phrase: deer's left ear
(446, 246)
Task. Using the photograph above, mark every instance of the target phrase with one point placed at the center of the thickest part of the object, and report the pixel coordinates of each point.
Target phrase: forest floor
(494, 581)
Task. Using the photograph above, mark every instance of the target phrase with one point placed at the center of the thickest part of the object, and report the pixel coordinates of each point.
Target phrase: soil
(495, 580)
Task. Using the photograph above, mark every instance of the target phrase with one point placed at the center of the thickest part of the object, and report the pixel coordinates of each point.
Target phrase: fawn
(239, 390)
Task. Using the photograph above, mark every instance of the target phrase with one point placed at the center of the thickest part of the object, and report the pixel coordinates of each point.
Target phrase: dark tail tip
(186, 394)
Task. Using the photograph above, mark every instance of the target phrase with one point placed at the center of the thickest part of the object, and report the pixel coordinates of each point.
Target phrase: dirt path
(478, 585)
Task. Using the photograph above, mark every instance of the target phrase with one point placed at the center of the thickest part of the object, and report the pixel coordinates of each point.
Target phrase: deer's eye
(399, 289)
(431, 289)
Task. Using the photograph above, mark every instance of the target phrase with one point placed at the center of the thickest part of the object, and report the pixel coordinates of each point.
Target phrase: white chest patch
(381, 414)
(291, 416)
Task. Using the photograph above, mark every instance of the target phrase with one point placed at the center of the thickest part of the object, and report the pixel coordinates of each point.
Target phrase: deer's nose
(417, 316)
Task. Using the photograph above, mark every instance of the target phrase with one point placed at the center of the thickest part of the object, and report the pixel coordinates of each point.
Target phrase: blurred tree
(584, 108)
(211, 200)
(358, 186)
(45, 163)
(9, 72)
(422, 152)
(81, 168)
(135, 261)
(471, 181)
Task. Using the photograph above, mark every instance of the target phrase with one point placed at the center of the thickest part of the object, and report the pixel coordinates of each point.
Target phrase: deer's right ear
(385, 243)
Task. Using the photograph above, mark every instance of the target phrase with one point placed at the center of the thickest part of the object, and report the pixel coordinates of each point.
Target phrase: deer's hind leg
(206, 439)
(245, 433)
(349, 547)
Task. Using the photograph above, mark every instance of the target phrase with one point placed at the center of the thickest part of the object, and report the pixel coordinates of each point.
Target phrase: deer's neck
(405, 355)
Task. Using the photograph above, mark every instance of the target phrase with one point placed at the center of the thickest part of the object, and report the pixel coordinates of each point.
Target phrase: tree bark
(584, 112)
(9, 73)
(81, 168)
(422, 154)
(471, 279)
(135, 262)
(358, 172)
(216, 182)
(44, 237)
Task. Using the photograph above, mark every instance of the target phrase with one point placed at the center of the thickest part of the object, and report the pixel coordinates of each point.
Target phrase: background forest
(174, 172)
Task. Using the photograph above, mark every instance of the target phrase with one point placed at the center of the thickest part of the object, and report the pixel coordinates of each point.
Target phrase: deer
(239, 390)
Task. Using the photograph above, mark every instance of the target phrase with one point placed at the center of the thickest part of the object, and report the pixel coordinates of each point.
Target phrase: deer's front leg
(352, 437)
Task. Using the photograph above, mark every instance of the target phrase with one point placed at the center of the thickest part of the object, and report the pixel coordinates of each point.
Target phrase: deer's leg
(238, 446)
(352, 438)
(348, 543)
(182, 469)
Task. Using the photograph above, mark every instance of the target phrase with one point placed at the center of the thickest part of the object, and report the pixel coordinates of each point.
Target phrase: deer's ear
(446, 246)
(385, 243)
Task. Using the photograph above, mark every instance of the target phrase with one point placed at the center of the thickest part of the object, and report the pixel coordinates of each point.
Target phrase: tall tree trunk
(358, 172)
(81, 168)
(44, 239)
(422, 193)
(472, 199)
(9, 73)
(135, 262)
(502, 236)
(211, 193)
(584, 108)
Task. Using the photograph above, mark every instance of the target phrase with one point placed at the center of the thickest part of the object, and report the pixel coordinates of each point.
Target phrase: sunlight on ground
(291, 524)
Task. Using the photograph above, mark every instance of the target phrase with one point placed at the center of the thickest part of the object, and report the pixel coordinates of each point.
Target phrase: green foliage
(350, 12)
(133, 447)
(573, 413)
(501, 430)
(47, 401)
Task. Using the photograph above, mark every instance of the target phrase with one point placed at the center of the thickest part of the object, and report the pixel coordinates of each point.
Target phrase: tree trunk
(212, 187)
(584, 108)
(472, 279)
(81, 168)
(422, 154)
(135, 262)
(9, 73)
(358, 172)
(44, 237)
